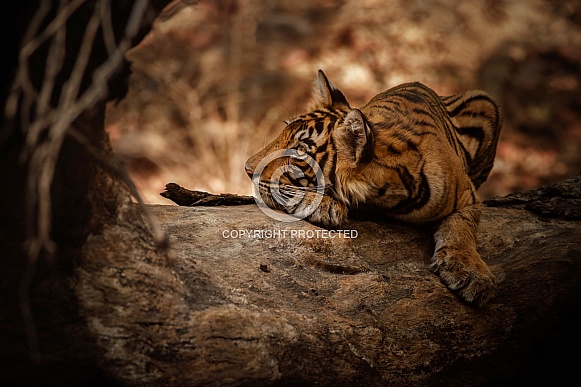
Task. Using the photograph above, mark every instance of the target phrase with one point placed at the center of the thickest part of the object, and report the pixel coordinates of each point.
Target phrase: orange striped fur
(407, 153)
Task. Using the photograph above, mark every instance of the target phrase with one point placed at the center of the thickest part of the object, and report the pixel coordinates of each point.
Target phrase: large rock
(259, 301)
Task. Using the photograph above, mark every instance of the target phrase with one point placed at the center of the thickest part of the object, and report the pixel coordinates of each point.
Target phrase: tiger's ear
(325, 94)
(354, 139)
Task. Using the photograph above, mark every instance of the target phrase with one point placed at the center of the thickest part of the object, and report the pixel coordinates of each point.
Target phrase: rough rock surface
(259, 301)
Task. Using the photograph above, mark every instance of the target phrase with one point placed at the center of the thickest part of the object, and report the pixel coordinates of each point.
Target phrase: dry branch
(185, 197)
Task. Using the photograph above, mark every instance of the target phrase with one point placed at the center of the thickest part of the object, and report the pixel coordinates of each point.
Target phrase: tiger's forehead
(314, 126)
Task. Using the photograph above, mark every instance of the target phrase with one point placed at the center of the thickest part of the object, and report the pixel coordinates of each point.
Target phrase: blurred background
(213, 83)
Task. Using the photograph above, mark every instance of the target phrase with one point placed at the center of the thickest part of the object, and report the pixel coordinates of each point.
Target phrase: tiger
(408, 154)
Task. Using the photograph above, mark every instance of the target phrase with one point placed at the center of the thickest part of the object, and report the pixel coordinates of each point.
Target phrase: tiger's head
(314, 155)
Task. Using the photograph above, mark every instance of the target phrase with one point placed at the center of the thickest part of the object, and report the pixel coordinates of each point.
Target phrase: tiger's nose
(248, 170)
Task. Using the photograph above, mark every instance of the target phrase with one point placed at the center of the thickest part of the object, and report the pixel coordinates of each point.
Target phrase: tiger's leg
(330, 213)
(456, 260)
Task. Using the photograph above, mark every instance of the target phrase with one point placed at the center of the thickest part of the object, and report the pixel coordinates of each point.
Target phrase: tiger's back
(471, 120)
(424, 148)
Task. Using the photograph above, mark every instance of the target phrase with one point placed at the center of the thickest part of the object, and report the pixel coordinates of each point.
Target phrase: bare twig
(46, 126)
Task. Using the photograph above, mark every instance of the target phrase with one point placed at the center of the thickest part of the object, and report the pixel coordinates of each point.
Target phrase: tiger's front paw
(466, 274)
(329, 214)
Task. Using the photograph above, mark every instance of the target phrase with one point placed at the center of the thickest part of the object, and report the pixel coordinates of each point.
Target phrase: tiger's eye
(302, 150)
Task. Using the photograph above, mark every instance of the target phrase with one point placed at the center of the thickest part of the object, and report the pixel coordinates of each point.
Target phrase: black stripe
(451, 99)
(322, 148)
(418, 189)
(332, 174)
(410, 144)
(418, 110)
(452, 137)
(406, 178)
(331, 124)
(478, 176)
(421, 129)
(392, 150)
(323, 159)
(296, 181)
(308, 142)
(412, 97)
(473, 113)
(319, 126)
(424, 192)
(476, 132)
(461, 106)
(331, 112)
(389, 108)
(385, 125)
(383, 189)
(301, 133)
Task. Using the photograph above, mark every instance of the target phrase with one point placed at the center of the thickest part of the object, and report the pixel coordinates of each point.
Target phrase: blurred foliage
(214, 82)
